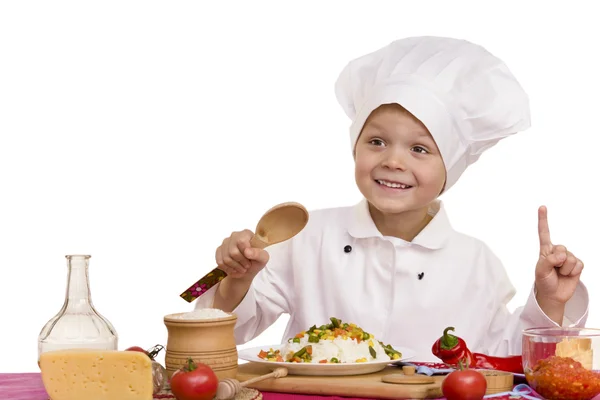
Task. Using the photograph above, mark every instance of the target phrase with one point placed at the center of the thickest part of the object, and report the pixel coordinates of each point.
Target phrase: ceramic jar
(208, 341)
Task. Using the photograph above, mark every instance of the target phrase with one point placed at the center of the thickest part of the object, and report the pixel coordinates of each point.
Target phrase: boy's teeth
(393, 185)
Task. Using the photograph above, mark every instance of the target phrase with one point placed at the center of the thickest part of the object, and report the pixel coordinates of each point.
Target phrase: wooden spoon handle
(278, 373)
(203, 284)
(256, 242)
(215, 276)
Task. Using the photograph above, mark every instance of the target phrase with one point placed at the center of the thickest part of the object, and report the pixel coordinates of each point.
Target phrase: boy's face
(398, 166)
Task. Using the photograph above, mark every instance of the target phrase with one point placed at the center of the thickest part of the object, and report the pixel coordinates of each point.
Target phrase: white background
(144, 132)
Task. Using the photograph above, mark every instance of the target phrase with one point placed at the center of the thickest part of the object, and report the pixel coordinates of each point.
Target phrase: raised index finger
(543, 229)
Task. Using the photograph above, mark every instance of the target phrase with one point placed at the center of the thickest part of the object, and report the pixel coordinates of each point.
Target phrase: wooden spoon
(228, 388)
(278, 224)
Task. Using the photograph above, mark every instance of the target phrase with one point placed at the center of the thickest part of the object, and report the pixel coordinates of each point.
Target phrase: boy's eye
(376, 142)
(420, 149)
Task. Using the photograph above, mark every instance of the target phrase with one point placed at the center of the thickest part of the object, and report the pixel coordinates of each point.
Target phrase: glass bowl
(562, 363)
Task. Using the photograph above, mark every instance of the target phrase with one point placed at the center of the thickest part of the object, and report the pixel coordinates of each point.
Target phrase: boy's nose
(394, 161)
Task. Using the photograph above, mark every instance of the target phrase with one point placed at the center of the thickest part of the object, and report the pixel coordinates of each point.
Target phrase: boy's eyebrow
(419, 131)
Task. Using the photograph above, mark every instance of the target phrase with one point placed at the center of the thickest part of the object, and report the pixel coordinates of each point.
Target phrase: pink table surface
(29, 386)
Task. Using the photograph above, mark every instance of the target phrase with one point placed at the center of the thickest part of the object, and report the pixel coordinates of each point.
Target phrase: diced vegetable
(389, 350)
(300, 352)
(372, 352)
(302, 355)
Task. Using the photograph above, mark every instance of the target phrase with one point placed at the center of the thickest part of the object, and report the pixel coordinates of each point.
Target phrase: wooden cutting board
(365, 386)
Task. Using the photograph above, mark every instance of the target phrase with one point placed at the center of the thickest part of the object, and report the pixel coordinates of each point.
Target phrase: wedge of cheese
(96, 375)
(579, 349)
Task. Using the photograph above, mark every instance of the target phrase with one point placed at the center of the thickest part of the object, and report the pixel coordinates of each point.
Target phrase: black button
(347, 249)
(421, 275)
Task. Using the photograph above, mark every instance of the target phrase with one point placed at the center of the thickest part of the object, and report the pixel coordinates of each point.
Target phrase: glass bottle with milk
(77, 324)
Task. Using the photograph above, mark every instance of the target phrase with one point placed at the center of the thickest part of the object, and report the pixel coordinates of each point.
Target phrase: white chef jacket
(376, 285)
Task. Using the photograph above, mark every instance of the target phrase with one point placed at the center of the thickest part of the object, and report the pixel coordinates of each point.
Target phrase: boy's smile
(398, 168)
(393, 185)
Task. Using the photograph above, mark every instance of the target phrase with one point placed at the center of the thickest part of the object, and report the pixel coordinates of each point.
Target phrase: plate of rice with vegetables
(338, 348)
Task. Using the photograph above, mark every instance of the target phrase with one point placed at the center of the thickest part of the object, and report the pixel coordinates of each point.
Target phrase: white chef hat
(465, 96)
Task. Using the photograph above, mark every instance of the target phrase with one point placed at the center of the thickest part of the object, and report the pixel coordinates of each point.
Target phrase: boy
(422, 110)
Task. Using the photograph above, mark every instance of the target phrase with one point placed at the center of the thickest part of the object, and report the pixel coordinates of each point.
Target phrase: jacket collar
(433, 236)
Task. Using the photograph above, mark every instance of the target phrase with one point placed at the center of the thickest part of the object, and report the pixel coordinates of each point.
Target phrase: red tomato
(136, 348)
(466, 384)
(195, 381)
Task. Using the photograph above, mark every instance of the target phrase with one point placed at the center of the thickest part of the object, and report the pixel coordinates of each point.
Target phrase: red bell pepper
(453, 350)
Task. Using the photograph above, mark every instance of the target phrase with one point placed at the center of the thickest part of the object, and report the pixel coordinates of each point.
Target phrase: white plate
(316, 369)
